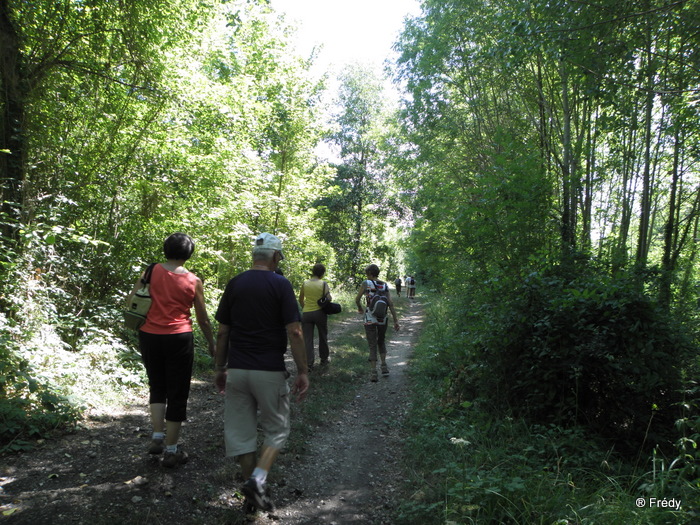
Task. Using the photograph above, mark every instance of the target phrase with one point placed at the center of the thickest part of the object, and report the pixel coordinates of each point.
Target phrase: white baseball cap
(269, 241)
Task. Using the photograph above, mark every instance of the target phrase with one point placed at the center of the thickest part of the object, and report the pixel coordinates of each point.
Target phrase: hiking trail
(101, 474)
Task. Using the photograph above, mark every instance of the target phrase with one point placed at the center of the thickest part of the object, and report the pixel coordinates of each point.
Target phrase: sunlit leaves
(550, 102)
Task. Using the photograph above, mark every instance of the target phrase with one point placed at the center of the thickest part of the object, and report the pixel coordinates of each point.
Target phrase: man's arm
(296, 341)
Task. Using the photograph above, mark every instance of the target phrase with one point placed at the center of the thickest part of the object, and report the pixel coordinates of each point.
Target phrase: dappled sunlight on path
(101, 474)
(350, 473)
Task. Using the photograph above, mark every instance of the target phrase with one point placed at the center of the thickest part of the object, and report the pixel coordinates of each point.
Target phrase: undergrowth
(471, 461)
(48, 385)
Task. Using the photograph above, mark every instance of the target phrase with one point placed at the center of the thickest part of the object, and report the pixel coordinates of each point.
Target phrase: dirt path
(101, 475)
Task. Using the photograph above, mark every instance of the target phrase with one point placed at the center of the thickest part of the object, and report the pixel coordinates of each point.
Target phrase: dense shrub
(29, 407)
(582, 348)
(470, 460)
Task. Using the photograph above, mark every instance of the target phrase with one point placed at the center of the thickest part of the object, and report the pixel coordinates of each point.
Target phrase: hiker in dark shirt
(257, 314)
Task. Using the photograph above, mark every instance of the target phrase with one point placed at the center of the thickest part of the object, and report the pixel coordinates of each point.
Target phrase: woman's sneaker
(172, 459)
(258, 495)
(157, 447)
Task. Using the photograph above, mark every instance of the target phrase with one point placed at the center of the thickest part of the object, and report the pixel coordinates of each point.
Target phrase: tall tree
(582, 86)
(356, 211)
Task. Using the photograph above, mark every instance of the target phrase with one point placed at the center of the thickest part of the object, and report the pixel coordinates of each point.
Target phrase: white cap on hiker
(269, 241)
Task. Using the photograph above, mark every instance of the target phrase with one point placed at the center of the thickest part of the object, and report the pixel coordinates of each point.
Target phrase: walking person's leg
(381, 347)
(240, 421)
(371, 333)
(322, 325)
(307, 326)
(271, 393)
(153, 361)
(179, 377)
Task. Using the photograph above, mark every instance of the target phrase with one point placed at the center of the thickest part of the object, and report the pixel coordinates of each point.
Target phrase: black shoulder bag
(326, 305)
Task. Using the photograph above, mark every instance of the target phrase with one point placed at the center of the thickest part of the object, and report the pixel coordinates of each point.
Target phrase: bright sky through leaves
(360, 31)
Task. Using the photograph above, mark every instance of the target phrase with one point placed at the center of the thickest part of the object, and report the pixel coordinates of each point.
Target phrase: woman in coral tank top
(167, 344)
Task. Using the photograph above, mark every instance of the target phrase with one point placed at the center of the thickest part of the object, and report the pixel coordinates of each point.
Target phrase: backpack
(140, 303)
(377, 303)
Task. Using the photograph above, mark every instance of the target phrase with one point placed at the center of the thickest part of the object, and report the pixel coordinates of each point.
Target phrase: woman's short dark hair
(373, 270)
(178, 246)
(318, 270)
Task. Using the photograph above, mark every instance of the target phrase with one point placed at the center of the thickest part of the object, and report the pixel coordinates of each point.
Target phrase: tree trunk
(646, 197)
(588, 191)
(12, 143)
(569, 188)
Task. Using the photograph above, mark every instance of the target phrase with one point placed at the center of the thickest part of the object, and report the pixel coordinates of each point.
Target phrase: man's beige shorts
(252, 397)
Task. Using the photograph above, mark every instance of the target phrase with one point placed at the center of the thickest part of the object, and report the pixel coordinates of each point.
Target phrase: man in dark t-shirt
(257, 306)
(257, 314)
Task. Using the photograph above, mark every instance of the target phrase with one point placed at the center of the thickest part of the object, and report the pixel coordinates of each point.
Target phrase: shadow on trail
(351, 470)
(101, 474)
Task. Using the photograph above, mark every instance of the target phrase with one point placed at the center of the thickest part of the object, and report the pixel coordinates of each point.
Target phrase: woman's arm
(200, 310)
(391, 309)
(221, 357)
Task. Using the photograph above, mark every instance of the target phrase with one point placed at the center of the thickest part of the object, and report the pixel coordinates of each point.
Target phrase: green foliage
(358, 210)
(532, 140)
(59, 358)
(531, 134)
(29, 407)
(686, 464)
(599, 352)
(472, 461)
(141, 120)
(47, 390)
(577, 347)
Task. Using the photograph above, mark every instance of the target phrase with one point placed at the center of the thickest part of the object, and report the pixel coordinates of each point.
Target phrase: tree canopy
(540, 174)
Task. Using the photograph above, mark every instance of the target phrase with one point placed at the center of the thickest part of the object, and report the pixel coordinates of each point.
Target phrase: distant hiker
(258, 313)
(377, 305)
(397, 283)
(312, 315)
(411, 287)
(167, 345)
